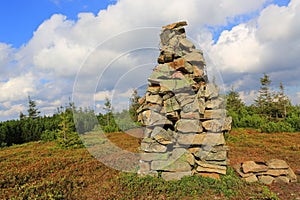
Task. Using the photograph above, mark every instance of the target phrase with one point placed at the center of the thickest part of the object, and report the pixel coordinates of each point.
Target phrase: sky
(85, 50)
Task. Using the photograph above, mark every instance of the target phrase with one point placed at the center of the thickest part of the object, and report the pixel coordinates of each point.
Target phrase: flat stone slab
(175, 25)
(251, 166)
(151, 118)
(251, 179)
(215, 114)
(212, 125)
(214, 170)
(168, 176)
(268, 180)
(154, 156)
(188, 126)
(153, 147)
(277, 164)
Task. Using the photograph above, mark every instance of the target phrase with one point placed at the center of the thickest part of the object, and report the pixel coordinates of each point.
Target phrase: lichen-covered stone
(277, 164)
(180, 104)
(251, 166)
(168, 176)
(266, 179)
(188, 126)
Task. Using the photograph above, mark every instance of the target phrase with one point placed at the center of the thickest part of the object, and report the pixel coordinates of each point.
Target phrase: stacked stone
(182, 113)
(274, 170)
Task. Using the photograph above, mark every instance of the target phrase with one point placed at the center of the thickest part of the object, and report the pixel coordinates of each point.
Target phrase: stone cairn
(183, 113)
(274, 170)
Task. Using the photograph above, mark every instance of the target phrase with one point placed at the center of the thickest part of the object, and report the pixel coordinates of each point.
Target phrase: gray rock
(153, 89)
(188, 126)
(150, 173)
(251, 166)
(215, 114)
(154, 156)
(151, 118)
(190, 115)
(175, 25)
(274, 172)
(174, 116)
(184, 98)
(153, 107)
(238, 169)
(209, 91)
(266, 179)
(282, 179)
(162, 136)
(218, 156)
(175, 85)
(153, 147)
(174, 41)
(171, 105)
(168, 176)
(168, 56)
(215, 103)
(186, 44)
(198, 71)
(190, 158)
(191, 107)
(203, 169)
(168, 95)
(195, 58)
(227, 124)
(212, 125)
(201, 105)
(156, 99)
(211, 140)
(251, 179)
(190, 139)
(179, 165)
(144, 167)
(165, 36)
(292, 176)
(277, 164)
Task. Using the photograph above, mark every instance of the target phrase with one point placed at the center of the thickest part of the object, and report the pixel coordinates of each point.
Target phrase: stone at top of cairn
(175, 25)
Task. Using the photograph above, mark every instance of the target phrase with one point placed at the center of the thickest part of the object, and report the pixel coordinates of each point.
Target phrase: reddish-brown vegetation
(44, 171)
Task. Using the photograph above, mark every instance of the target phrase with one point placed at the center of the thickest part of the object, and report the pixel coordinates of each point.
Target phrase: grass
(40, 170)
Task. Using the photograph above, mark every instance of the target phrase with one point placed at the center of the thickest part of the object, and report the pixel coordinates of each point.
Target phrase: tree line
(66, 123)
(272, 110)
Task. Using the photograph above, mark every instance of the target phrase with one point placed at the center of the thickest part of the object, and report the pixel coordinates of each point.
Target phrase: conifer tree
(33, 112)
(134, 105)
(264, 99)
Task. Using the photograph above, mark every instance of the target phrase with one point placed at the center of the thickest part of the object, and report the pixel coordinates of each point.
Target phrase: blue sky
(51, 48)
(20, 18)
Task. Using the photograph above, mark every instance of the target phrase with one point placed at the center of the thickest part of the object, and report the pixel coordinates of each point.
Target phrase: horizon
(47, 48)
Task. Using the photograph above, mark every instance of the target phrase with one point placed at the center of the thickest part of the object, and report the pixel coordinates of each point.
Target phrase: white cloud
(237, 50)
(17, 88)
(249, 96)
(12, 111)
(269, 44)
(60, 46)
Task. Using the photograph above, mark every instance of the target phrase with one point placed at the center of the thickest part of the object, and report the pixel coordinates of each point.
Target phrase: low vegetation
(44, 170)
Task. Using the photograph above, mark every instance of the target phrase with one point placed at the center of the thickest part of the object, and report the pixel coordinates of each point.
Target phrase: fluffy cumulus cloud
(119, 46)
(268, 44)
(17, 88)
(237, 50)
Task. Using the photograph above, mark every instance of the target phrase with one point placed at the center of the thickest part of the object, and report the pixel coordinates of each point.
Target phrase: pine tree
(282, 103)
(108, 109)
(233, 101)
(134, 105)
(264, 99)
(33, 112)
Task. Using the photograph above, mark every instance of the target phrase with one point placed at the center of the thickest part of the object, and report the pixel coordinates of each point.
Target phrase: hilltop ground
(45, 171)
